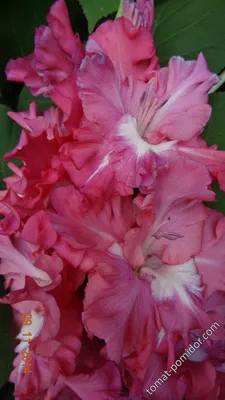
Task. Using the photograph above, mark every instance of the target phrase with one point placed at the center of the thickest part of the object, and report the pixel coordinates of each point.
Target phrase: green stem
(219, 84)
(120, 10)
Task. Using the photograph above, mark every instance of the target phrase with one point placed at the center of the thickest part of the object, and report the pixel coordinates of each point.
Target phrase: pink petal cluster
(104, 237)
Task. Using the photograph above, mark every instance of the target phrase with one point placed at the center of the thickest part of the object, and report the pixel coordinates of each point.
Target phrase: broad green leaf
(187, 27)
(6, 392)
(26, 98)
(97, 9)
(214, 133)
(6, 349)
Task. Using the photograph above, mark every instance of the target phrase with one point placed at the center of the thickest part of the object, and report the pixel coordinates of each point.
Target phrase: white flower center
(170, 280)
(128, 130)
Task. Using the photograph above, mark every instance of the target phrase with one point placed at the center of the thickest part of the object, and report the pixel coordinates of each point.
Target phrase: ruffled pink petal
(171, 389)
(212, 158)
(170, 186)
(57, 54)
(100, 91)
(59, 22)
(45, 314)
(102, 384)
(66, 97)
(29, 187)
(182, 110)
(178, 295)
(172, 215)
(210, 261)
(38, 230)
(83, 226)
(16, 70)
(173, 241)
(114, 297)
(54, 63)
(200, 379)
(20, 117)
(16, 263)
(31, 384)
(112, 105)
(117, 39)
(58, 390)
(74, 256)
(63, 349)
(11, 221)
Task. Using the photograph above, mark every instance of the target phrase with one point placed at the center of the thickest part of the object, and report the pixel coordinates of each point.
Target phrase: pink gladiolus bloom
(144, 122)
(105, 240)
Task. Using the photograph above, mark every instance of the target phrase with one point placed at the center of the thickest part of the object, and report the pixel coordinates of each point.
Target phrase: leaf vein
(186, 28)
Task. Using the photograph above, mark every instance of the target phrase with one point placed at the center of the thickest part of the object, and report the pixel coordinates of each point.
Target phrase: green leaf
(187, 27)
(95, 10)
(6, 138)
(6, 392)
(219, 204)
(9, 137)
(5, 343)
(214, 133)
(26, 98)
(6, 348)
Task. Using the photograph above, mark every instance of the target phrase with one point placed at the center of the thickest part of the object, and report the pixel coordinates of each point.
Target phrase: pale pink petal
(99, 91)
(172, 215)
(182, 110)
(174, 242)
(174, 188)
(114, 297)
(210, 261)
(212, 158)
(14, 262)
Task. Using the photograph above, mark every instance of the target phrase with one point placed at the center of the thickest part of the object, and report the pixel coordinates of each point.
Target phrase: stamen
(136, 18)
(139, 18)
(147, 106)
